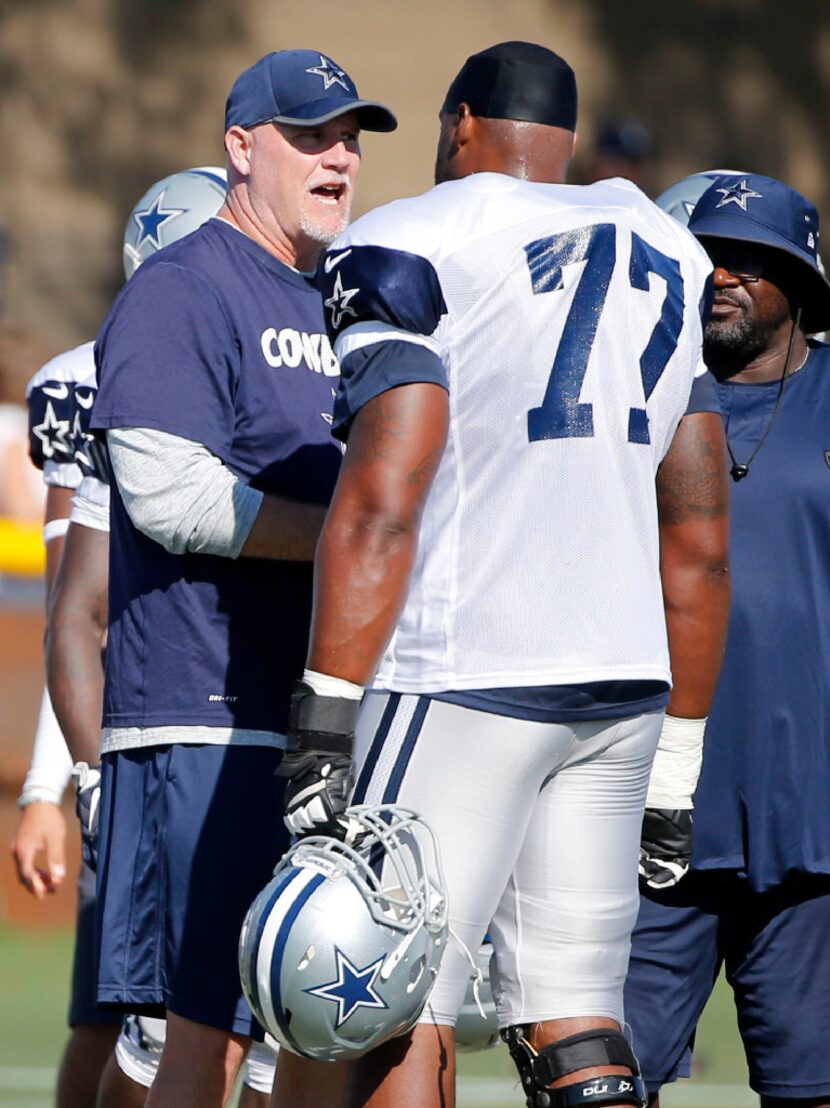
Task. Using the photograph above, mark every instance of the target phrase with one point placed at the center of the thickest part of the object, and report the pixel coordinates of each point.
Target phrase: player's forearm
(55, 524)
(362, 573)
(284, 530)
(370, 539)
(693, 503)
(697, 608)
(75, 678)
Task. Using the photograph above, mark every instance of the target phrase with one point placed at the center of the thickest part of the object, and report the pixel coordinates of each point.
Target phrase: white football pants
(539, 830)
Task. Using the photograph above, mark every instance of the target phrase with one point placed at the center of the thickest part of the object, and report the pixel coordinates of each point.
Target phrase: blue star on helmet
(353, 988)
(338, 302)
(737, 194)
(152, 219)
(330, 73)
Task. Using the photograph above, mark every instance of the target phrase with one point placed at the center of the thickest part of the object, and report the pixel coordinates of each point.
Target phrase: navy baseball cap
(752, 208)
(300, 86)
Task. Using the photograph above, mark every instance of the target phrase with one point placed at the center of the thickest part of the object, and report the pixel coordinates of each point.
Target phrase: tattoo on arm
(691, 481)
(424, 472)
(381, 426)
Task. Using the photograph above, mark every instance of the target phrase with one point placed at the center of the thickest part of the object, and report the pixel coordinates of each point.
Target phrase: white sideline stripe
(481, 1092)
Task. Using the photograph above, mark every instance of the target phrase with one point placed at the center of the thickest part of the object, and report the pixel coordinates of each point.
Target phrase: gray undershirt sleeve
(180, 494)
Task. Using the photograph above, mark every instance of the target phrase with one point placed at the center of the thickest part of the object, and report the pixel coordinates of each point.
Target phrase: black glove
(665, 846)
(87, 780)
(318, 762)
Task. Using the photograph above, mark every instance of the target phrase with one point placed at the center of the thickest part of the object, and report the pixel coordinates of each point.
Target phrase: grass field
(34, 976)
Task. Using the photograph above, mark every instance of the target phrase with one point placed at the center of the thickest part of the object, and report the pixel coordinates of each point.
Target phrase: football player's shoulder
(404, 225)
(427, 224)
(656, 217)
(71, 367)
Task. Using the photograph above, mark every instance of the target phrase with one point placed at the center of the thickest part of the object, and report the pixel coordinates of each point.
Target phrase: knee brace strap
(601, 1047)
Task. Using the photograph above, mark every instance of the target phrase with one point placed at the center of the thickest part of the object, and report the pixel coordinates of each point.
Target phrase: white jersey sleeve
(91, 504)
(565, 323)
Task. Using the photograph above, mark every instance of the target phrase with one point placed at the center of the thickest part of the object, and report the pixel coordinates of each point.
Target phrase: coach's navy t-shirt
(215, 340)
(762, 803)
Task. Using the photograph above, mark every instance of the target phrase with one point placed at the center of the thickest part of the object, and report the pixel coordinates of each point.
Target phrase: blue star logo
(353, 989)
(152, 219)
(737, 194)
(338, 302)
(330, 73)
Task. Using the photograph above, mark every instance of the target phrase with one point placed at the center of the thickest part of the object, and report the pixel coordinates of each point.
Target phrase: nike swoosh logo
(335, 259)
(85, 401)
(57, 392)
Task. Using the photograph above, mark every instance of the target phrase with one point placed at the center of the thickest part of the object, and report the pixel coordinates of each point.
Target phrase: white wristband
(55, 529)
(38, 794)
(677, 764)
(324, 685)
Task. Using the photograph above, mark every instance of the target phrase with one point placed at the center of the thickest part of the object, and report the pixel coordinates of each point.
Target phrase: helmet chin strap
(739, 470)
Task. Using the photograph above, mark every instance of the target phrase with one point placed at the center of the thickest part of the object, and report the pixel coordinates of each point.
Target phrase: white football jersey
(566, 322)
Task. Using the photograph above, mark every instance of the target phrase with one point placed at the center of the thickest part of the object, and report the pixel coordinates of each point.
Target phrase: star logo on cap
(330, 73)
(338, 302)
(353, 989)
(152, 219)
(737, 194)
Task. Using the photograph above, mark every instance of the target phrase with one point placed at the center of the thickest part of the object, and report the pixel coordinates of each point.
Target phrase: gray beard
(318, 232)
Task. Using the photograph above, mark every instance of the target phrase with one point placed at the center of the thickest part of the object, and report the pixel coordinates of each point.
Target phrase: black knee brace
(601, 1047)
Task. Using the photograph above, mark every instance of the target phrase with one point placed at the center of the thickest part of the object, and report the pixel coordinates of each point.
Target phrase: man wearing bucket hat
(215, 395)
(757, 898)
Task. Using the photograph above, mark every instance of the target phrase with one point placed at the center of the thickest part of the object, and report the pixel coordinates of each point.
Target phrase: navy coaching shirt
(216, 341)
(762, 803)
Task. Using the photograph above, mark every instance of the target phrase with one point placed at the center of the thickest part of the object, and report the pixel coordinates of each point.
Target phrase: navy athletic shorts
(83, 1007)
(775, 948)
(189, 836)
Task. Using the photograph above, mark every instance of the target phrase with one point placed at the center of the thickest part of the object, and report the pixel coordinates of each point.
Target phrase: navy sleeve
(373, 284)
(50, 422)
(704, 395)
(366, 373)
(167, 359)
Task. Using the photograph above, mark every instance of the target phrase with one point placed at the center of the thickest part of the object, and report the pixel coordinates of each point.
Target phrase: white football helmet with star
(679, 200)
(339, 951)
(171, 209)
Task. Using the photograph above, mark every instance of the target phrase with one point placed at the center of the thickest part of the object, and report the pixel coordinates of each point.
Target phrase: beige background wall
(98, 98)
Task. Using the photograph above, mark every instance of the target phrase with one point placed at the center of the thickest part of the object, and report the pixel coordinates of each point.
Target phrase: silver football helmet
(679, 200)
(171, 209)
(478, 1026)
(340, 949)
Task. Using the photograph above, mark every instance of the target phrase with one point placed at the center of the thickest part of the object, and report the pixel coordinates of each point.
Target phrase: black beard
(734, 343)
